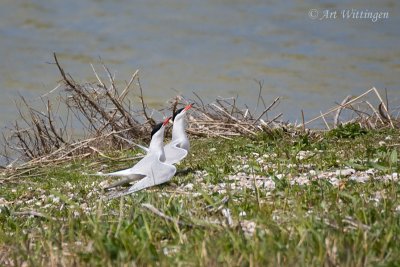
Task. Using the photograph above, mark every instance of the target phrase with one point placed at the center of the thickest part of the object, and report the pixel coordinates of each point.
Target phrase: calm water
(215, 48)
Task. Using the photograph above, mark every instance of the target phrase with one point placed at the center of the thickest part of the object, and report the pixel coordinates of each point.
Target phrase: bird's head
(159, 128)
(181, 112)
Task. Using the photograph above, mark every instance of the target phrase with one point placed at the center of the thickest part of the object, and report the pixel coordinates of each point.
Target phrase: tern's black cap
(156, 128)
(176, 113)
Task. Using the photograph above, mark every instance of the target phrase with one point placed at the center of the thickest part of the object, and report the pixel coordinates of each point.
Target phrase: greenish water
(213, 48)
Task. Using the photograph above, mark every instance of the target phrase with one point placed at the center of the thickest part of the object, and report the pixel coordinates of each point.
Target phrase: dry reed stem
(337, 115)
(364, 110)
(338, 107)
(326, 123)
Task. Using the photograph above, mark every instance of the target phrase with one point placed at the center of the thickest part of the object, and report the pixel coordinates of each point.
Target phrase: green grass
(316, 224)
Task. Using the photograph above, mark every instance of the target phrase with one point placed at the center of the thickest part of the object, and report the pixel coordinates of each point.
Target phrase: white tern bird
(150, 170)
(178, 148)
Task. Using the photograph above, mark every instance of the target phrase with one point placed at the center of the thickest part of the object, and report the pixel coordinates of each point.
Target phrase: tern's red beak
(188, 107)
(166, 121)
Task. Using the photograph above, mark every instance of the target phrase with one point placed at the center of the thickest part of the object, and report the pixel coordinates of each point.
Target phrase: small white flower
(397, 209)
(269, 184)
(248, 228)
(170, 251)
(300, 180)
(334, 181)
(227, 214)
(345, 172)
(55, 199)
(304, 154)
(2, 201)
(103, 184)
(360, 178)
(189, 187)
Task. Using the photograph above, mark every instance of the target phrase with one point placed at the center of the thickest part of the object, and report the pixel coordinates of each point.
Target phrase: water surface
(213, 48)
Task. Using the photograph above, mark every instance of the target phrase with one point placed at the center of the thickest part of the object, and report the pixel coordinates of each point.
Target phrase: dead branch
(337, 115)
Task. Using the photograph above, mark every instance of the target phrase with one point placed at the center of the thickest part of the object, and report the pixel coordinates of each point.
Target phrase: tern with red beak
(178, 148)
(150, 170)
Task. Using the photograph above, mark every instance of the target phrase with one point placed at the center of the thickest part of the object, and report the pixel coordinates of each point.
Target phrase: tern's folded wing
(144, 166)
(160, 173)
(174, 154)
(140, 168)
(137, 172)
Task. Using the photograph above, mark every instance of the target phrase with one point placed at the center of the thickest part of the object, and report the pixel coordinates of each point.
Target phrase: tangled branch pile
(109, 118)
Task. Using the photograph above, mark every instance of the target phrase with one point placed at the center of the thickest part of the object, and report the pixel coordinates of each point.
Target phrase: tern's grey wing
(174, 154)
(160, 173)
(121, 173)
(139, 169)
(125, 181)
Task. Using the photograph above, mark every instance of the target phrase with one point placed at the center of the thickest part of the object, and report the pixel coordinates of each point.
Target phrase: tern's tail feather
(142, 184)
(128, 175)
(125, 181)
(145, 149)
(113, 195)
(121, 173)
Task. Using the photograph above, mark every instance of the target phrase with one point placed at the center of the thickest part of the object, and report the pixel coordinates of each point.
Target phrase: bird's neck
(157, 145)
(179, 130)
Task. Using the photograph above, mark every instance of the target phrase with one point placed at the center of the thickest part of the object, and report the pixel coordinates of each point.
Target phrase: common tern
(150, 170)
(178, 148)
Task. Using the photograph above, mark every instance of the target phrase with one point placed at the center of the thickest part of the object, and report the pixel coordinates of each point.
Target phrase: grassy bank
(274, 199)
